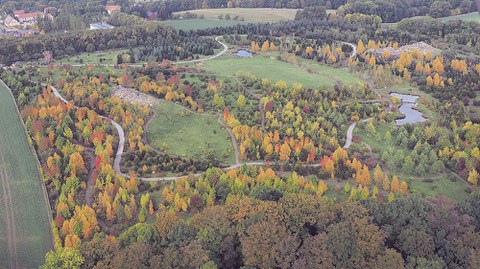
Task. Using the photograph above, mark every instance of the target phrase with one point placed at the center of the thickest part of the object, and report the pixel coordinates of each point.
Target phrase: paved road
(348, 142)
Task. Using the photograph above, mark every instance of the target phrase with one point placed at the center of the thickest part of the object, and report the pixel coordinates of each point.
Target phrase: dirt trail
(9, 217)
(88, 191)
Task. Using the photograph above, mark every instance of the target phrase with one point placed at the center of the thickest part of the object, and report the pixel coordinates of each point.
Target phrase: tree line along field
(183, 133)
(25, 234)
(248, 14)
(200, 24)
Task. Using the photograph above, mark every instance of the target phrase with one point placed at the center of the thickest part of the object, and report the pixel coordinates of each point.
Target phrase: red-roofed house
(111, 9)
(18, 12)
(11, 21)
(29, 17)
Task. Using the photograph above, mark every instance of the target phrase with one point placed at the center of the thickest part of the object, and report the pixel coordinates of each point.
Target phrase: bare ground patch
(134, 97)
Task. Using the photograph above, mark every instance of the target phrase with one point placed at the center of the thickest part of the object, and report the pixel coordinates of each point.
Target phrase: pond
(407, 108)
(244, 53)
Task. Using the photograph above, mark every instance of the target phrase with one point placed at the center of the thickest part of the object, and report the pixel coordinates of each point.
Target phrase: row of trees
(150, 40)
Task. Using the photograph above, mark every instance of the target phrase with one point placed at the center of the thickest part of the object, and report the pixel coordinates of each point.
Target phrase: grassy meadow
(182, 133)
(275, 70)
(21, 179)
(473, 16)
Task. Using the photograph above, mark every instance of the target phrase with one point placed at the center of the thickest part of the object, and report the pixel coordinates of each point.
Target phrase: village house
(111, 9)
(18, 12)
(29, 17)
(11, 22)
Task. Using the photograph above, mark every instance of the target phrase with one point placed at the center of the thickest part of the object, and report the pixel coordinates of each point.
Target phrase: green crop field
(187, 134)
(25, 234)
(200, 24)
(275, 70)
(247, 14)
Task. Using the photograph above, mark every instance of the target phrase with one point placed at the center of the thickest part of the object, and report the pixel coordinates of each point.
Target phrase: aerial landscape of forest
(239, 134)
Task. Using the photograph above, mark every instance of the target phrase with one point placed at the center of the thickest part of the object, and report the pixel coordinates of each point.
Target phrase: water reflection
(411, 115)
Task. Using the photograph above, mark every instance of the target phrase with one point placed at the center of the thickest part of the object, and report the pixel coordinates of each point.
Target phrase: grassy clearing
(189, 135)
(200, 24)
(445, 185)
(248, 14)
(274, 70)
(108, 57)
(473, 16)
(30, 209)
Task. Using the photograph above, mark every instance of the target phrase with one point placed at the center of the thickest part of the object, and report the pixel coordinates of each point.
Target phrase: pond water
(411, 115)
(244, 53)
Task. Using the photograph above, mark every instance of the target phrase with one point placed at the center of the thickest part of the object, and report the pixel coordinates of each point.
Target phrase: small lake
(244, 53)
(411, 115)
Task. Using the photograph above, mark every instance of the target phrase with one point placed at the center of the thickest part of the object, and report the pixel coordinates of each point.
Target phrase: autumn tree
(473, 177)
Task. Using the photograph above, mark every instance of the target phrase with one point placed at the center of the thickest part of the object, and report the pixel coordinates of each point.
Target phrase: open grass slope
(187, 134)
(473, 16)
(25, 234)
(248, 14)
(108, 57)
(275, 70)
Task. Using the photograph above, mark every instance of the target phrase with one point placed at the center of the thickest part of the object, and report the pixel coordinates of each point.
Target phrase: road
(348, 142)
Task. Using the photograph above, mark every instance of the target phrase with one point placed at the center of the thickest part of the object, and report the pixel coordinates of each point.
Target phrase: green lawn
(473, 16)
(200, 24)
(29, 205)
(274, 70)
(248, 14)
(109, 57)
(189, 135)
(455, 190)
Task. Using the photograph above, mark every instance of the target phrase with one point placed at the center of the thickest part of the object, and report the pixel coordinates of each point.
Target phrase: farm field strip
(25, 232)
(9, 217)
